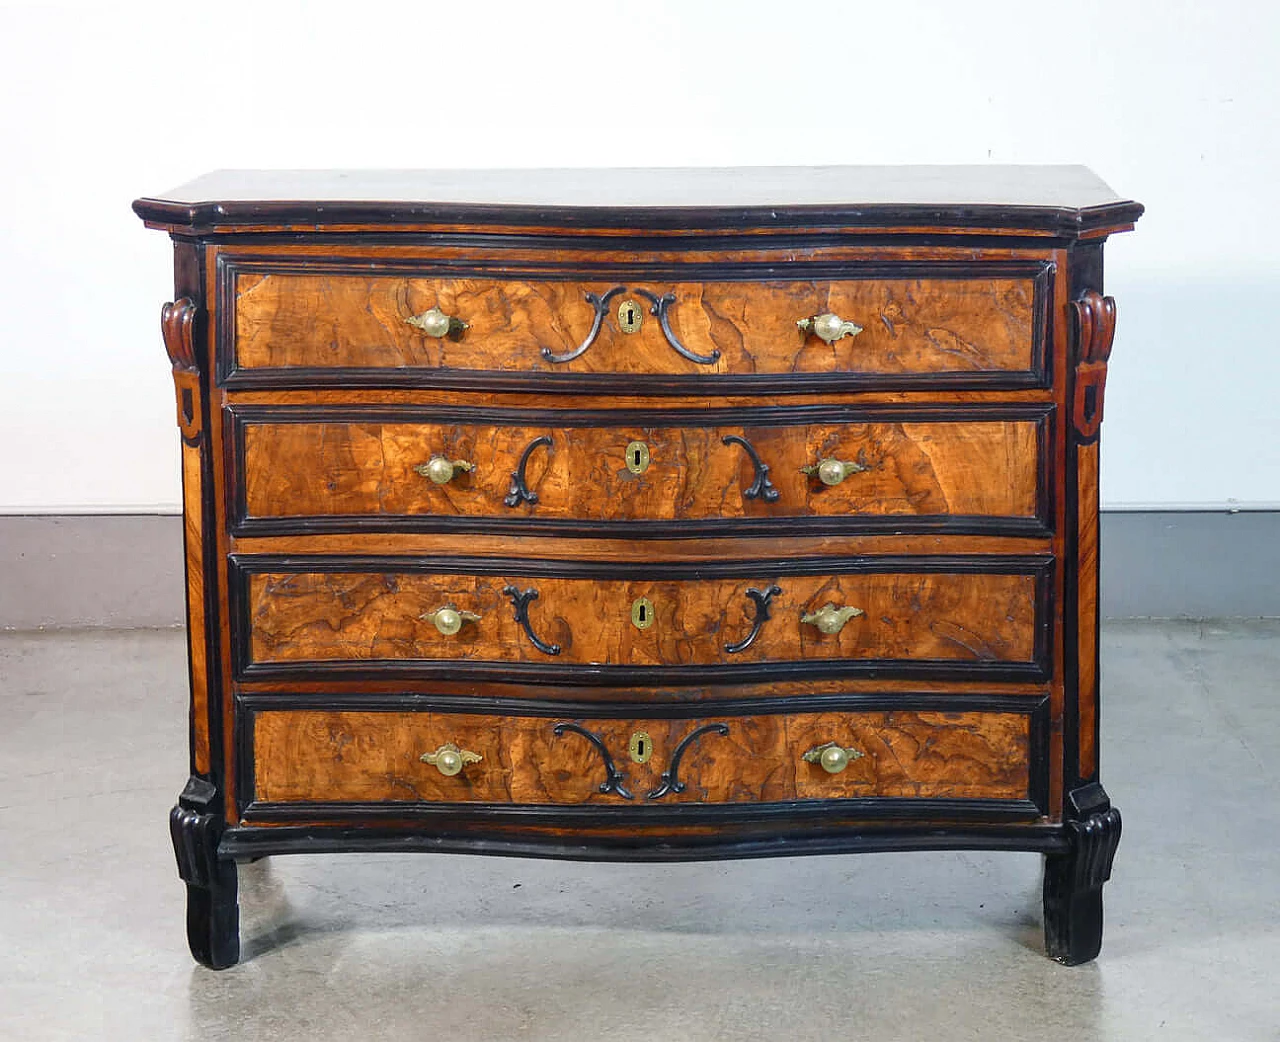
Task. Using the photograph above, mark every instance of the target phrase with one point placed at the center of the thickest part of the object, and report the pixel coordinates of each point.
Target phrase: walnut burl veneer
(642, 515)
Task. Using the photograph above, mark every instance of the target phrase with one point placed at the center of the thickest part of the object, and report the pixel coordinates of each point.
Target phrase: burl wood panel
(374, 756)
(909, 325)
(366, 617)
(309, 469)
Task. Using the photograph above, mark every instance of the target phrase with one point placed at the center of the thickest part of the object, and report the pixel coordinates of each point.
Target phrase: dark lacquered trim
(603, 242)
(646, 815)
(245, 761)
(230, 266)
(490, 705)
(237, 418)
(1039, 668)
(875, 564)
(1071, 222)
(892, 524)
(244, 843)
(576, 673)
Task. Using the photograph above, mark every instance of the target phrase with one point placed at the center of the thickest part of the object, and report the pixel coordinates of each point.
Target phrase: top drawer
(348, 323)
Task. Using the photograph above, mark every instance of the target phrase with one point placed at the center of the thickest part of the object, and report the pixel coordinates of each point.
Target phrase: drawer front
(983, 470)
(322, 756)
(638, 622)
(285, 325)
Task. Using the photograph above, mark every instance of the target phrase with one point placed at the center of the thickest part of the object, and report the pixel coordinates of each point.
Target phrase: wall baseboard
(127, 570)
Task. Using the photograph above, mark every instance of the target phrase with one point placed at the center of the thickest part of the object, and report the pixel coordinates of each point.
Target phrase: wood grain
(1087, 602)
(909, 325)
(368, 617)
(782, 544)
(315, 469)
(374, 756)
(193, 543)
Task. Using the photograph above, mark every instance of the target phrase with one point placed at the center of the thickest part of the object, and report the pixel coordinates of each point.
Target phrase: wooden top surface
(1056, 199)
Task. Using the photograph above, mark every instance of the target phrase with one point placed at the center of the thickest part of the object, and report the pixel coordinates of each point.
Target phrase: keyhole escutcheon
(640, 747)
(642, 613)
(637, 457)
(630, 316)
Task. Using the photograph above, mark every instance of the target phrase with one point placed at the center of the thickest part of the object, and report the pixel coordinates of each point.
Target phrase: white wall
(1173, 103)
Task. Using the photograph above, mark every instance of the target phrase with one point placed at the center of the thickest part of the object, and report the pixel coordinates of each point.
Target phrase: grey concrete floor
(883, 946)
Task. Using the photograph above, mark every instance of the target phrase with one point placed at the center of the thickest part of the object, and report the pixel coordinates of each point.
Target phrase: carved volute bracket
(1095, 329)
(177, 324)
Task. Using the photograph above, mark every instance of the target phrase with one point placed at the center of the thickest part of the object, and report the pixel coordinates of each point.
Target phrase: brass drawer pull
(437, 324)
(833, 757)
(828, 327)
(448, 620)
(520, 601)
(613, 778)
(449, 759)
(441, 470)
(829, 618)
(761, 487)
(833, 471)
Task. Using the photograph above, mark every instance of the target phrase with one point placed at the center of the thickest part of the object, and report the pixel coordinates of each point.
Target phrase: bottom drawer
(392, 758)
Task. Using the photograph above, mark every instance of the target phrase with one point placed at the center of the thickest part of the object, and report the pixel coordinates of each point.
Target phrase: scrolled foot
(1073, 881)
(213, 914)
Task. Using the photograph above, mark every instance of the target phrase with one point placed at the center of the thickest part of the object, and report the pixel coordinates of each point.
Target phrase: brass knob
(448, 620)
(441, 470)
(833, 471)
(828, 327)
(829, 618)
(833, 757)
(437, 324)
(449, 759)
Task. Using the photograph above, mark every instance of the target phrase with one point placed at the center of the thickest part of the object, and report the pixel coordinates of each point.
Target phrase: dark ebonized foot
(213, 916)
(1073, 881)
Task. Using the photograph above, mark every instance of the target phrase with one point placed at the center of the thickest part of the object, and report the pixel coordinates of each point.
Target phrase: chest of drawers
(642, 515)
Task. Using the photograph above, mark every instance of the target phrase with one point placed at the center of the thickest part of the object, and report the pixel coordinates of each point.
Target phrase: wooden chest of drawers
(645, 515)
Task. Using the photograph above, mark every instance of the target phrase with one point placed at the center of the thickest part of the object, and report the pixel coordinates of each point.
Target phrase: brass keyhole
(642, 613)
(640, 747)
(637, 457)
(630, 316)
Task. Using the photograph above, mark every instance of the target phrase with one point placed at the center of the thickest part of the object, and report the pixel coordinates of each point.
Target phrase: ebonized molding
(640, 815)
(1035, 705)
(1064, 222)
(244, 843)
